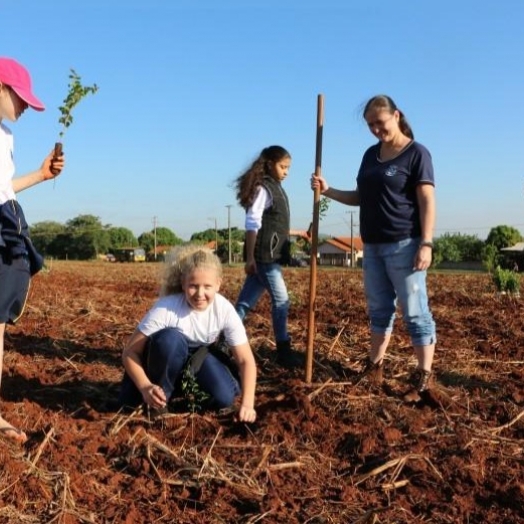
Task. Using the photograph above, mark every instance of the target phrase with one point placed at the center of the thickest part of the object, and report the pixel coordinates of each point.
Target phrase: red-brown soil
(320, 452)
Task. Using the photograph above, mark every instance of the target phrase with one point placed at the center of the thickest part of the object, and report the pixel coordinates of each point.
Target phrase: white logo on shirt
(391, 170)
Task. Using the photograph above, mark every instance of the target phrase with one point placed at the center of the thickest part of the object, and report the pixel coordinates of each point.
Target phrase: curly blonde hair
(182, 261)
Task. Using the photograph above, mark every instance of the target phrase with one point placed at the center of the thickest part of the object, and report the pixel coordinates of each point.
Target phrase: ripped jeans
(268, 277)
(389, 276)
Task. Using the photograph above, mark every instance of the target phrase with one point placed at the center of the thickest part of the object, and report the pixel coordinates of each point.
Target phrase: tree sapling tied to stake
(76, 92)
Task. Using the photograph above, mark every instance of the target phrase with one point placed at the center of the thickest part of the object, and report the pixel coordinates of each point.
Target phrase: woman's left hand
(52, 166)
(423, 258)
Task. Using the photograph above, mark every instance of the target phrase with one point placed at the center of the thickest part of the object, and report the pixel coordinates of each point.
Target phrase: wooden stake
(314, 243)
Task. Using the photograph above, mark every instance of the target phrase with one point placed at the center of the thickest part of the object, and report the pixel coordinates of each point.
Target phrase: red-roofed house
(337, 251)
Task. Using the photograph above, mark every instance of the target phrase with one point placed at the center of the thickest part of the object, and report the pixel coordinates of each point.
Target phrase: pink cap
(16, 76)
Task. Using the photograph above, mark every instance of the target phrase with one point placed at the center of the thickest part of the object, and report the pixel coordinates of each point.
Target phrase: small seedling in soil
(195, 396)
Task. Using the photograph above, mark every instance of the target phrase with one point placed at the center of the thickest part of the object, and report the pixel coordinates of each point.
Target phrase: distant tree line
(221, 237)
(469, 248)
(85, 237)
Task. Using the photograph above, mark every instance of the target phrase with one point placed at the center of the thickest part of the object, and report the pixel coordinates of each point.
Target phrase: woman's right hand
(319, 182)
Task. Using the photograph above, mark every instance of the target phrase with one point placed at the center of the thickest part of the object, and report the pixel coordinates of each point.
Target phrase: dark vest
(272, 244)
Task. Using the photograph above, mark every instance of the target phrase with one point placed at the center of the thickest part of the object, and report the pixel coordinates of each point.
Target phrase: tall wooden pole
(314, 244)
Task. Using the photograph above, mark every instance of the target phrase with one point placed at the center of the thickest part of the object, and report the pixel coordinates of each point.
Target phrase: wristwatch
(426, 243)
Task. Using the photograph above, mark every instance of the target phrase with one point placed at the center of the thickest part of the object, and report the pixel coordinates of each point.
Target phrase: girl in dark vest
(259, 191)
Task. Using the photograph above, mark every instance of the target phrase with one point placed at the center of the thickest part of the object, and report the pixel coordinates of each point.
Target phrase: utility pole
(154, 237)
(229, 233)
(216, 235)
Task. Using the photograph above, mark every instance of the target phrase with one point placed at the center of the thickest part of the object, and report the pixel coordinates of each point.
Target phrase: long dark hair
(386, 102)
(246, 184)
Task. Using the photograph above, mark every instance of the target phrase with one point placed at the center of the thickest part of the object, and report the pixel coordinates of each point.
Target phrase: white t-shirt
(199, 327)
(263, 200)
(7, 165)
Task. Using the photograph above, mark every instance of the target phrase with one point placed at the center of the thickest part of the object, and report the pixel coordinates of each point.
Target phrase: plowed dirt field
(328, 451)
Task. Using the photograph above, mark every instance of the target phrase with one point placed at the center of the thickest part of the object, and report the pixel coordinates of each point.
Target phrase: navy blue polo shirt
(389, 209)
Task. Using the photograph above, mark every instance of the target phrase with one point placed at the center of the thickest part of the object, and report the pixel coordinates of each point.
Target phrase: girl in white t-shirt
(19, 260)
(189, 315)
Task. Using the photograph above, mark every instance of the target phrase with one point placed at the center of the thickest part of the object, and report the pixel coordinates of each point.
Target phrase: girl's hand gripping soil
(154, 396)
(247, 414)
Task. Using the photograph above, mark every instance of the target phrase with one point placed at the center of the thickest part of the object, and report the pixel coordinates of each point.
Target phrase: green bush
(506, 281)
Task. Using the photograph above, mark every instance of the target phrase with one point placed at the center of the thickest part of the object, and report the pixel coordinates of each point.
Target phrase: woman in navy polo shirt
(396, 195)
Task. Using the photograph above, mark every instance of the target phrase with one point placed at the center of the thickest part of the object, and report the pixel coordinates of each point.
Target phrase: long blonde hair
(182, 261)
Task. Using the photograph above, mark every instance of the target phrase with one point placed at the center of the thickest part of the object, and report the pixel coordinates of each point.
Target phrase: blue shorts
(14, 287)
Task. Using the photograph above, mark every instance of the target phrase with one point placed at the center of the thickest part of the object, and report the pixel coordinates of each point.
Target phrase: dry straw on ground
(325, 452)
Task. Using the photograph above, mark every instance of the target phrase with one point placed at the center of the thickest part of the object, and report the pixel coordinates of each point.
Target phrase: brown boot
(373, 372)
(422, 381)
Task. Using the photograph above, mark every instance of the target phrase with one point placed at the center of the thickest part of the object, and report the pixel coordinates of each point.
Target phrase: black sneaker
(288, 357)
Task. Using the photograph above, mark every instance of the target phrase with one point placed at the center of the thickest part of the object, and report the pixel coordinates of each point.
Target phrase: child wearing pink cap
(18, 258)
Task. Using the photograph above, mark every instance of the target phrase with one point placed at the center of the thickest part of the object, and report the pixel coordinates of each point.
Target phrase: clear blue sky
(192, 90)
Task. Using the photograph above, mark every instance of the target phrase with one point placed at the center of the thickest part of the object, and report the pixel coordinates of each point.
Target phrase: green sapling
(76, 92)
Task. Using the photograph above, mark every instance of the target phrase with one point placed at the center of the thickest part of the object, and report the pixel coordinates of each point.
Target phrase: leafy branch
(76, 92)
(323, 207)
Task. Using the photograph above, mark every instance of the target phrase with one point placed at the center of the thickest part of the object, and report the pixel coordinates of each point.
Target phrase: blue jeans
(388, 276)
(164, 359)
(268, 277)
